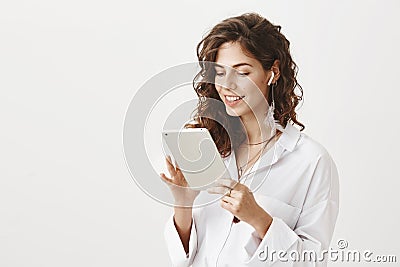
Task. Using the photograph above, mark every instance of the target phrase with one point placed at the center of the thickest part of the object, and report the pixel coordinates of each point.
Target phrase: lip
(231, 104)
(225, 95)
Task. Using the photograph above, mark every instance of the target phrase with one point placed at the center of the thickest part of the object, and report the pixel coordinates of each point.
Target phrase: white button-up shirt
(297, 185)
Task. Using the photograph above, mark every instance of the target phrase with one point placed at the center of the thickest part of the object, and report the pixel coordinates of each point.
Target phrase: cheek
(253, 82)
(262, 86)
(253, 87)
(218, 89)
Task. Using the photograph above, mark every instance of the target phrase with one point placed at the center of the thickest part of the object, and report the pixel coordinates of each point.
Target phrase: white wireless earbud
(270, 79)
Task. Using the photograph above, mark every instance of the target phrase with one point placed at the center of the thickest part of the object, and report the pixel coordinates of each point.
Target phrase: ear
(275, 69)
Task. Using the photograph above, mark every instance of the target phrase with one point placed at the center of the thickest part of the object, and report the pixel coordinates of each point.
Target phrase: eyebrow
(236, 65)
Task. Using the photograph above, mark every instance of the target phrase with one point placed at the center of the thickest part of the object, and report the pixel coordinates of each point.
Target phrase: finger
(168, 158)
(170, 167)
(178, 170)
(218, 190)
(226, 182)
(239, 191)
(177, 166)
(165, 179)
(226, 205)
(179, 174)
(231, 200)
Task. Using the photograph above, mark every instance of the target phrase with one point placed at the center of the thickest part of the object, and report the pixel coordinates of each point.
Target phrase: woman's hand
(239, 200)
(183, 194)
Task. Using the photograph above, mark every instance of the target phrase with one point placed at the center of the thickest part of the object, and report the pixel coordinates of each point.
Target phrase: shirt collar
(289, 137)
(287, 141)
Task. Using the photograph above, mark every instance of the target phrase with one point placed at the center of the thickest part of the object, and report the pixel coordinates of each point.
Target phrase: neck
(255, 129)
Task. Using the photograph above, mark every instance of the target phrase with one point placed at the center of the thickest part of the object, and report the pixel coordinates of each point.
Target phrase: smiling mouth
(232, 98)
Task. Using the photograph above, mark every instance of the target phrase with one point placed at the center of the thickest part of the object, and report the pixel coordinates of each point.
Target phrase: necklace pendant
(235, 219)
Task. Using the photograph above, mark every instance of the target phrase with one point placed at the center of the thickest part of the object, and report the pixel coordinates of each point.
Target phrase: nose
(228, 81)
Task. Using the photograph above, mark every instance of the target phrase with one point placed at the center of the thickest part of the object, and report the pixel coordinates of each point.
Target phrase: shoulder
(304, 153)
(312, 155)
(323, 169)
(310, 148)
(300, 149)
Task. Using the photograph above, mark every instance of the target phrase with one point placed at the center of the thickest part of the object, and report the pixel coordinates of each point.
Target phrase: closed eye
(243, 73)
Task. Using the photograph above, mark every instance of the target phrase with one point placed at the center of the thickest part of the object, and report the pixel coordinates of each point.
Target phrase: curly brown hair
(263, 41)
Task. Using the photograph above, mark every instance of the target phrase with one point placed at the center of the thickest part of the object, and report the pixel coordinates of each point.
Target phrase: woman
(295, 209)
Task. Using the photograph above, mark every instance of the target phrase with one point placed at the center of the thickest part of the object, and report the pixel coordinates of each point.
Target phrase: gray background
(69, 69)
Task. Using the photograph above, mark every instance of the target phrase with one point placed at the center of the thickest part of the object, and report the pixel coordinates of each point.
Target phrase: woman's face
(241, 81)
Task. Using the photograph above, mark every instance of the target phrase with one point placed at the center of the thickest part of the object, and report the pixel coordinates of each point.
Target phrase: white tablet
(196, 154)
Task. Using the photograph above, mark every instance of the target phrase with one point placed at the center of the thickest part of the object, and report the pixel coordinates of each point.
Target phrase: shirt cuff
(279, 237)
(174, 244)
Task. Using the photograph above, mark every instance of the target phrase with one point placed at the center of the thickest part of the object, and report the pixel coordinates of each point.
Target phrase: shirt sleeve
(283, 246)
(175, 248)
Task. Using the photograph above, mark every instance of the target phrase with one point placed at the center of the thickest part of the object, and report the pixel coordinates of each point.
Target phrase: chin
(233, 112)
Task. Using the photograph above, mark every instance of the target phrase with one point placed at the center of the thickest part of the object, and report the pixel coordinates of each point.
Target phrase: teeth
(232, 98)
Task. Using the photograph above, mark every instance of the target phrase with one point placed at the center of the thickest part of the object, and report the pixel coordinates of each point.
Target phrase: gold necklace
(247, 163)
(236, 219)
